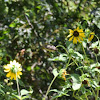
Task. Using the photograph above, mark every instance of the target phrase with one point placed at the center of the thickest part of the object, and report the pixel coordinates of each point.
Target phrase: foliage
(34, 33)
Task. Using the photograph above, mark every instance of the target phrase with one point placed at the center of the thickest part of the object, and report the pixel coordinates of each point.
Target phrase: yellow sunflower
(76, 35)
(64, 73)
(91, 36)
(13, 70)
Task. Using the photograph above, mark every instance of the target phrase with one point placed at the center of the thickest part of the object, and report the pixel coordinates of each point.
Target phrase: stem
(57, 75)
(98, 40)
(68, 54)
(68, 62)
(78, 94)
(86, 96)
(84, 50)
(92, 90)
(86, 57)
(97, 90)
(97, 94)
(18, 86)
(77, 65)
(75, 62)
(73, 93)
(96, 58)
(63, 48)
(29, 21)
(49, 87)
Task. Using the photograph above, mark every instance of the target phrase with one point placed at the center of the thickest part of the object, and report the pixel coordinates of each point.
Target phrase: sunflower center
(76, 34)
(14, 69)
(96, 50)
(90, 35)
(84, 82)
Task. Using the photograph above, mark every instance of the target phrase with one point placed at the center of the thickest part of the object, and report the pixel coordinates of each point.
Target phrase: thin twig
(28, 21)
(30, 24)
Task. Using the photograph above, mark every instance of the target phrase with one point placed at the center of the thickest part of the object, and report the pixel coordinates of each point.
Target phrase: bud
(96, 50)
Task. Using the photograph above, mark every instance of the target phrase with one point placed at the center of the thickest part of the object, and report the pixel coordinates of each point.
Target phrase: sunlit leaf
(61, 57)
(55, 73)
(76, 81)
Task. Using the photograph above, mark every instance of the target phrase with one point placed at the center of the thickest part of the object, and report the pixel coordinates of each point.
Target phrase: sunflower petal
(80, 30)
(6, 70)
(18, 76)
(20, 69)
(79, 40)
(77, 28)
(70, 35)
(70, 38)
(92, 33)
(75, 40)
(12, 76)
(6, 66)
(19, 73)
(82, 34)
(91, 36)
(8, 74)
(71, 31)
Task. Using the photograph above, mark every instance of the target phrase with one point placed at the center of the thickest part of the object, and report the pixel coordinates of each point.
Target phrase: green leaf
(60, 93)
(16, 96)
(71, 51)
(24, 92)
(12, 25)
(94, 65)
(25, 97)
(95, 84)
(21, 83)
(76, 81)
(96, 19)
(55, 73)
(61, 57)
(29, 68)
(94, 44)
(27, 14)
(1, 86)
(79, 55)
(1, 91)
(54, 90)
(76, 86)
(96, 70)
(84, 44)
(75, 78)
(87, 93)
